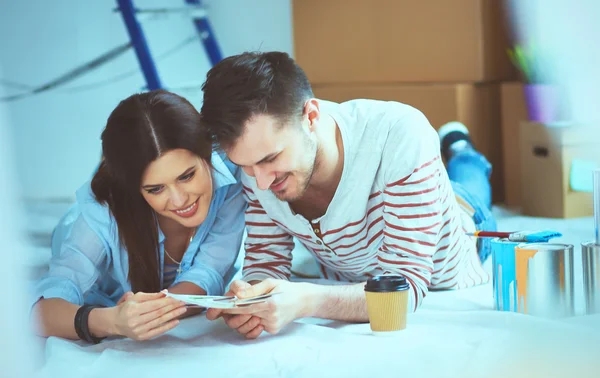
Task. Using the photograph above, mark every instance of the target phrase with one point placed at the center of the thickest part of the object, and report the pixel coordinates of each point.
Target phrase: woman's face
(178, 185)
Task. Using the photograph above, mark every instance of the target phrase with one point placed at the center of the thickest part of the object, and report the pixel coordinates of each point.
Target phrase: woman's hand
(143, 316)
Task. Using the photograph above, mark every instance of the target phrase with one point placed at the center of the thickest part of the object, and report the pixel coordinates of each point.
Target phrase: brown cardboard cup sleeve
(387, 302)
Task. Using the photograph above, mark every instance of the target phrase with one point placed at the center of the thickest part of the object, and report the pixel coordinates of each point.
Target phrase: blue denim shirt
(88, 264)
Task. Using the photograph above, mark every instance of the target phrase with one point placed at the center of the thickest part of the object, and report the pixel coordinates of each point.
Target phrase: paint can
(544, 275)
(504, 275)
(591, 256)
(591, 276)
(533, 278)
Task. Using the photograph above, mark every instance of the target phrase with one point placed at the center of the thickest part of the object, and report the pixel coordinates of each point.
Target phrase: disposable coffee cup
(387, 302)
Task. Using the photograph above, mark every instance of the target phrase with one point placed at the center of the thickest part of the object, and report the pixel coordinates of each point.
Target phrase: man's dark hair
(243, 86)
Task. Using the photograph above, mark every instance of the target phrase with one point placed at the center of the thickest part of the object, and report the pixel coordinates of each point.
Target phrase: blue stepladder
(140, 45)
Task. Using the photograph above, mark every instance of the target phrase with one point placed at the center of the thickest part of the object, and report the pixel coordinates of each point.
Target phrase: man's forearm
(345, 302)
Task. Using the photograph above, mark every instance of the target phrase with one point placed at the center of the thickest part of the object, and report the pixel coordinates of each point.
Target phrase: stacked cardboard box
(513, 112)
(556, 168)
(446, 58)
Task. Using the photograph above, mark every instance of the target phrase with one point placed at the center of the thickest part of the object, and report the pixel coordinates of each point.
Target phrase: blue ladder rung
(203, 28)
(139, 44)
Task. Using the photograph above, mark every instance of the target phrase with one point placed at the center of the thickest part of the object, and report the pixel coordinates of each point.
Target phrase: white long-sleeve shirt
(394, 210)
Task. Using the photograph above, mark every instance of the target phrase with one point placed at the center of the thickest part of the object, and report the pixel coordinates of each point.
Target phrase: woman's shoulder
(96, 214)
(225, 172)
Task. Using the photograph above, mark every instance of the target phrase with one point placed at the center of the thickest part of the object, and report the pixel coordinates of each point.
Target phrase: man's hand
(247, 325)
(290, 303)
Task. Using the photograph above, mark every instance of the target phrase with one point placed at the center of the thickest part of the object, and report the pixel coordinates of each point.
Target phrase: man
(361, 185)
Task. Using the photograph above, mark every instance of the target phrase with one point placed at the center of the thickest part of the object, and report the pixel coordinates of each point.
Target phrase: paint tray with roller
(215, 301)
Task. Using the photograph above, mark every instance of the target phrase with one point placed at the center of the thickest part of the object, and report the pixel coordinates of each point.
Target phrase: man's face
(280, 157)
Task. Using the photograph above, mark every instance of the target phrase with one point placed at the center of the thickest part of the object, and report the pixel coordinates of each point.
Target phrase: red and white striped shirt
(394, 210)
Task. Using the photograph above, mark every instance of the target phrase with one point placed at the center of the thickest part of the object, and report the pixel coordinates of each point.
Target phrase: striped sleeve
(412, 213)
(413, 210)
(268, 246)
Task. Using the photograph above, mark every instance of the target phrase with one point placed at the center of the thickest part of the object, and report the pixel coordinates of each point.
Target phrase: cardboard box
(384, 41)
(514, 111)
(476, 105)
(549, 158)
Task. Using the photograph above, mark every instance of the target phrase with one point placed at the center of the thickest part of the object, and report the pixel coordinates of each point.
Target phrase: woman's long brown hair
(139, 130)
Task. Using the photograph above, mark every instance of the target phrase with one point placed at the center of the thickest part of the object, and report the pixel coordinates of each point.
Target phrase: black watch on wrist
(81, 324)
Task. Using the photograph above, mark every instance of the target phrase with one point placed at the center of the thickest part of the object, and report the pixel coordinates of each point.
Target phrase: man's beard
(302, 178)
(302, 182)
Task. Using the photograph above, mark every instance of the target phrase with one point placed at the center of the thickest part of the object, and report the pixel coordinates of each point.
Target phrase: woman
(163, 211)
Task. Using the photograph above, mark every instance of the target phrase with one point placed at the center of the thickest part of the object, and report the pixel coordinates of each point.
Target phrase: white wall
(566, 33)
(18, 355)
(57, 133)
